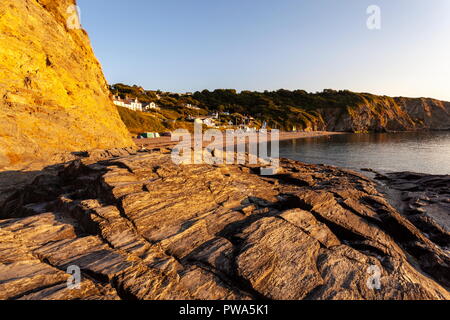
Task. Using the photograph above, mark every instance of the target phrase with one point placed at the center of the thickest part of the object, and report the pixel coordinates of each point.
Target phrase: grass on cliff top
(139, 122)
(281, 109)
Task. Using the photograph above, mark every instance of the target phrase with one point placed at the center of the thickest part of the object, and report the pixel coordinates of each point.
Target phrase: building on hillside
(190, 106)
(132, 104)
(207, 121)
(214, 115)
(150, 106)
(118, 101)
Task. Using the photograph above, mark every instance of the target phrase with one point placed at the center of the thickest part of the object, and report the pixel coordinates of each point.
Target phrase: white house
(209, 122)
(132, 104)
(150, 106)
(190, 106)
(135, 105)
(214, 115)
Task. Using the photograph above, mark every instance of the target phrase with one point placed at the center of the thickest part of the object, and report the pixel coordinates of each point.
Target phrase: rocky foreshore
(140, 227)
(424, 200)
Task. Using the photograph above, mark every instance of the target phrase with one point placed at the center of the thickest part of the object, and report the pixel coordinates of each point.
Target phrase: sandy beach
(165, 142)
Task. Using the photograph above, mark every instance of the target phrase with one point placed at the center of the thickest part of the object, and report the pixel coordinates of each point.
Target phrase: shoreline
(165, 142)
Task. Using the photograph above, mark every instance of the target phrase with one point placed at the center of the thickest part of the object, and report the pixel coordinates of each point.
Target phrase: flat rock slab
(141, 227)
(426, 202)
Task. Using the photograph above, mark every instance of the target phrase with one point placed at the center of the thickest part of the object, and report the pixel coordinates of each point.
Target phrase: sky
(191, 45)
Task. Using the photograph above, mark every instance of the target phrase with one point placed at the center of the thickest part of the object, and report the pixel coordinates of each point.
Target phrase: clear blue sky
(190, 45)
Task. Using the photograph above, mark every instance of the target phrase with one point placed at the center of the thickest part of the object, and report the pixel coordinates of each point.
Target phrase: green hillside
(282, 109)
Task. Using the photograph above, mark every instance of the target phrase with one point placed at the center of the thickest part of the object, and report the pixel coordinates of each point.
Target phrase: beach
(166, 142)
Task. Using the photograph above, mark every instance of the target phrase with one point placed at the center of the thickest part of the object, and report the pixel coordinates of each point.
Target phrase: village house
(207, 121)
(132, 104)
(150, 106)
(214, 115)
(190, 106)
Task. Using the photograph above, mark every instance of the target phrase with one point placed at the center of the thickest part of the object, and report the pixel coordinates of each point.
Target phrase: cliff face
(427, 113)
(53, 95)
(389, 114)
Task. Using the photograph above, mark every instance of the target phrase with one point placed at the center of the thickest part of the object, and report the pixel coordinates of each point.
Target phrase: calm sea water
(425, 152)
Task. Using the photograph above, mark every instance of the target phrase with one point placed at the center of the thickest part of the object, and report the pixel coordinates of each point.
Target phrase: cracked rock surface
(141, 227)
(424, 200)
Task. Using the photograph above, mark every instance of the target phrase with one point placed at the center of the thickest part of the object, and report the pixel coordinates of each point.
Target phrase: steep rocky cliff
(427, 113)
(53, 95)
(380, 114)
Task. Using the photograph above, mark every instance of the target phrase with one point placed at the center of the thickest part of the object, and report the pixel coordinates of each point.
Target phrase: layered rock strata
(140, 227)
(53, 94)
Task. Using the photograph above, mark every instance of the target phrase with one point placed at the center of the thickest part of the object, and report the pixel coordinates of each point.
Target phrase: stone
(53, 94)
(308, 223)
(140, 227)
(425, 203)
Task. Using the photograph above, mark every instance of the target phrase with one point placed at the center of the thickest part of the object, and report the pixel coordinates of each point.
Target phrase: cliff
(53, 94)
(381, 114)
(329, 110)
(426, 113)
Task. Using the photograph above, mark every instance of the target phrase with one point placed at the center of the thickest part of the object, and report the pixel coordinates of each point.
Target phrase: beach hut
(149, 135)
(145, 135)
